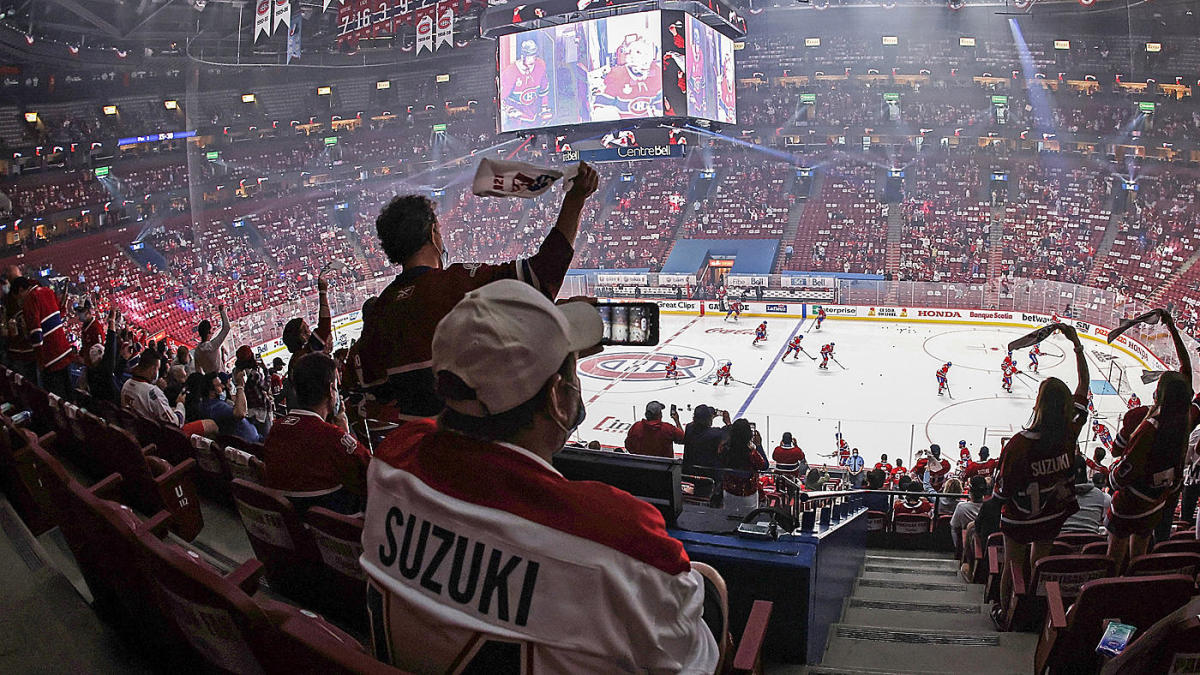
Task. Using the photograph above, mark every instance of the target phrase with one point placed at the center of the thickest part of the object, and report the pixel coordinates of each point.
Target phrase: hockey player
(1101, 433)
(1033, 357)
(723, 374)
(673, 368)
(820, 317)
(1008, 361)
(964, 455)
(793, 348)
(632, 89)
(1134, 401)
(843, 450)
(525, 87)
(735, 310)
(941, 376)
(826, 354)
(1006, 380)
(884, 465)
(760, 333)
(1091, 403)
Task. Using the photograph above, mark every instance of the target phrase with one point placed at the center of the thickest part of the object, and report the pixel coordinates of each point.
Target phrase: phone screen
(629, 323)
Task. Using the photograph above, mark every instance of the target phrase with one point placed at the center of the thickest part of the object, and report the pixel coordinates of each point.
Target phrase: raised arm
(1081, 366)
(225, 326)
(325, 315)
(1185, 360)
(586, 182)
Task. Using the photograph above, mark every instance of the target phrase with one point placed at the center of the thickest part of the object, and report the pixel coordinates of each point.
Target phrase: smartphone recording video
(629, 323)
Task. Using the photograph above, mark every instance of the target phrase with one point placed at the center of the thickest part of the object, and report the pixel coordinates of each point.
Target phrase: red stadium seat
(151, 483)
(19, 480)
(1187, 564)
(911, 531)
(1169, 646)
(942, 540)
(1077, 540)
(1095, 548)
(243, 466)
(876, 527)
(1177, 546)
(1068, 641)
(286, 548)
(339, 543)
(1027, 604)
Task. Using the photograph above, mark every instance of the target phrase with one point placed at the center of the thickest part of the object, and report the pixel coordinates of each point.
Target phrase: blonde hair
(1052, 411)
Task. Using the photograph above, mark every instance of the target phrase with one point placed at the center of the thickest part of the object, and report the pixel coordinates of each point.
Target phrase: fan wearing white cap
(472, 539)
(390, 363)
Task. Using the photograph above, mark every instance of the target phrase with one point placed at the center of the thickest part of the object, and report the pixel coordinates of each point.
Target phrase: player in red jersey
(794, 348)
(883, 465)
(525, 88)
(672, 371)
(1152, 445)
(632, 89)
(826, 354)
(842, 451)
(1101, 432)
(735, 310)
(760, 333)
(1035, 479)
(1033, 357)
(942, 376)
(820, 317)
(1007, 362)
(723, 374)
(964, 455)
(1006, 379)
(1133, 401)
(897, 472)
(984, 467)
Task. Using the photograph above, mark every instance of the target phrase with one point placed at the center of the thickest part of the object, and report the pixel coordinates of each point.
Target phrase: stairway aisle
(995, 257)
(910, 612)
(1106, 243)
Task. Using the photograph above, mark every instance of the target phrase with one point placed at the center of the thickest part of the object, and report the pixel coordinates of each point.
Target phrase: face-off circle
(647, 371)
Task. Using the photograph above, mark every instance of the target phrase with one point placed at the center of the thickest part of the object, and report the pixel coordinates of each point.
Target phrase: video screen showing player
(589, 71)
(710, 73)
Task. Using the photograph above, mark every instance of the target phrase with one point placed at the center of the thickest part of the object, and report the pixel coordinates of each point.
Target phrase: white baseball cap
(505, 340)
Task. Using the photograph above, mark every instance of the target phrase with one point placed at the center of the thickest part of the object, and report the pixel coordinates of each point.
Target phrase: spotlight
(956, 5)
(1087, 3)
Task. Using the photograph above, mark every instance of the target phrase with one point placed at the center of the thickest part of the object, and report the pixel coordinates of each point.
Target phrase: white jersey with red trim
(488, 554)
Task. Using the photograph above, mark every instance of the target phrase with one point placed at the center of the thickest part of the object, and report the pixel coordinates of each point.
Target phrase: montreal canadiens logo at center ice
(640, 366)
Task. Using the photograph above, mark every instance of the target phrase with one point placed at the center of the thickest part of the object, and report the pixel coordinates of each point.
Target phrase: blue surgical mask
(221, 396)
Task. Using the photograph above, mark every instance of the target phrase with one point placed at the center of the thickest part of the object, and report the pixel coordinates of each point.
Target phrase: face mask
(221, 396)
(445, 256)
(337, 405)
(580, 416)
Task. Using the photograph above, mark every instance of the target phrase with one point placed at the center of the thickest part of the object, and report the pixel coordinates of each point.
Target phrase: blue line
(778, 355)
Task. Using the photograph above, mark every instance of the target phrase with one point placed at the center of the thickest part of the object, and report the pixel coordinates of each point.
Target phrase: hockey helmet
(527, 48)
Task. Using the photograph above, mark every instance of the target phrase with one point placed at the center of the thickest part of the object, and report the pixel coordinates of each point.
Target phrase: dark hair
(148, 357)
(311, 376)
(979, 488)
(500, 426)
(1098, 454)
(1081, 475)
(904, 482)
(875, 479)
(19, 284)
(735, 451)
(812, 478)
(291, 335)
(1173, 396)
(204, 328)
(191, 402)
(172, 392)
(404, 225)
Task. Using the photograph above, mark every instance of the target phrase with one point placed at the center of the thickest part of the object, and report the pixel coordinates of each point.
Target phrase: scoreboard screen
(590, 71)
(710, 75)
(613, 69)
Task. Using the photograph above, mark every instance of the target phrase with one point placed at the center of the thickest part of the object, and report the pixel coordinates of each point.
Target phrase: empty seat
(1187, 564)
(338, 539)
(1169, 646)
(152, 484)
(1068, 642)
(1027, 604)
(1077, 540)
(1178, 546)
(280, 540)
(243, 465)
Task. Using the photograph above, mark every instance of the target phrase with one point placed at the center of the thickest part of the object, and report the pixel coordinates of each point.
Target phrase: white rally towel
(505, 178)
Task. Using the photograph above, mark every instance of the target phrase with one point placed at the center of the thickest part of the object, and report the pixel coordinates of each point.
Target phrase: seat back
(278, 537)
(910, 525)
(1187, 564)
(1071, 572)
(1095, 548)
(304, 642)
(210, 457)
(1137, 601)
(19, 478)
(231, 441)
(338, 539)
(876, 521)
(1178, 546)
(217, 618)
(151, 484)
(243, 465)
(1077, 540)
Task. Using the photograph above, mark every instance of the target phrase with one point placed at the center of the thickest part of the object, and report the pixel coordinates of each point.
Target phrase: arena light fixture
(110, 110)
(248, 98)
(171, 105)
(31, 117)
(444, 77)
(324, 91)
(956, 5)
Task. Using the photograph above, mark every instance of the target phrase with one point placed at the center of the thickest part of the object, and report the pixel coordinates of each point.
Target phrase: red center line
(656, 350)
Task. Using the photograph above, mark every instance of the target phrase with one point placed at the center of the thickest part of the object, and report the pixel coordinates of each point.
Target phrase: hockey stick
(838, 362)
(808, 355)
(948, 391)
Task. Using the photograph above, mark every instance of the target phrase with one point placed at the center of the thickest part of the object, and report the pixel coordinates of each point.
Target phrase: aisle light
(171, 105)
(31, 117)
(110, 110)
(248, 98)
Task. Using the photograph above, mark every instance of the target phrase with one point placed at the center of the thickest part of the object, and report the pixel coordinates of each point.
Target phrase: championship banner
(283, 14)
(445, 25)
(293, 42)
(425, 20)
(262, 18)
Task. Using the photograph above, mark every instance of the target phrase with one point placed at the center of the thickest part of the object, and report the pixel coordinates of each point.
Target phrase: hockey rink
(882, 397)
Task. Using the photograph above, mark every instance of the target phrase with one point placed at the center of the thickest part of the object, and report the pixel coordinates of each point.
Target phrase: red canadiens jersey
(507, 551)
(93, 334)
(938, 470)
(788, 459)
(1140, 477)
(304, 453)
(636, 96)
(795, 343)
(821, 314)
(885, 467)
(723, 371)
(47, 334)
(943, 371)
(392, 358)
(896, 473)
(1035, 482)
(903, 508)
(979, 468)
(526, 94)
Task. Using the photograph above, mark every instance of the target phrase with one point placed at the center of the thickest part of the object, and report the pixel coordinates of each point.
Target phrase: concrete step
(908, 571)
(938, 578)
(874, 589)
(928, 651)
(912, 563)
(904, 612)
